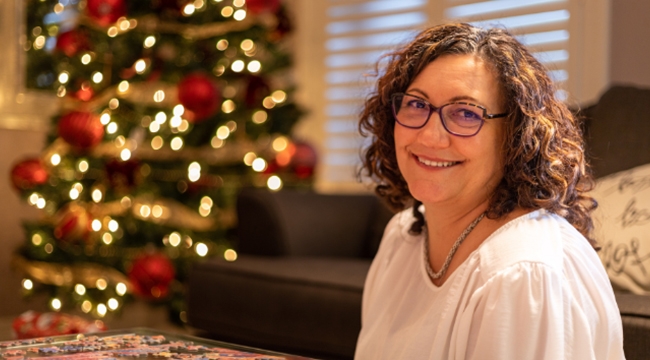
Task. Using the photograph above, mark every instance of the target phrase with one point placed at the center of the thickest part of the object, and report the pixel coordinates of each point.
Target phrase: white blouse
(534, 289)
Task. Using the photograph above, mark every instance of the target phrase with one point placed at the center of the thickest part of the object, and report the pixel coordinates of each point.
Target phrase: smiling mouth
(437, 163)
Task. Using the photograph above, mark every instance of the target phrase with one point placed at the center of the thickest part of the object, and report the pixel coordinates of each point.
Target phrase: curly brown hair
(544, 161)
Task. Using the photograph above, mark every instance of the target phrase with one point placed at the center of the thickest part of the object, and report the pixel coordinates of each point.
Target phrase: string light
(178, 110)
(98, 77)
(161, 117)
(64, 77)
(259, 165)
(194, 172)
(113, 104)
(55, 304)
(222, 44)
(230, 255)
(113, 304)
(237, 66)
(49, 248)
(97, 195)
(96, 225)
(145, 211)
(149, 42)
(189, 9)
(125, 154)
(201, 249)
(55, 159)
(107, 238)
(254, 66)
(227, 11)
(223, 132)
(28, 284)
(268, 102)
(123, 86)
(157, 142)
(37, 239)
(216, 143)
(39, 42)
(82, 166)
(240, 15)
(111, 128)
(280, 143)
(159, 96)
(105, 118)
(140, 66)
(274, 183)
(279, 96)
(101, 284)
(154, 127)
(260, 117)
(157, 211)
(120, 289)
(228, 106)
(113, 225)
(174, 239)
(112, 31)
(239, 3)
(86, 306)
(176, 143)
(80, 289)
(86, 59)
(249, 157)
(101, 309)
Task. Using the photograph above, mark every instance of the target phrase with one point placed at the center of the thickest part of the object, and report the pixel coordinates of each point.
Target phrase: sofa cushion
(301, 305)
(622, 227)
(618, 129)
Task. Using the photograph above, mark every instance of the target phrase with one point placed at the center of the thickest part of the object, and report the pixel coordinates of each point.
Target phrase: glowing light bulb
(28, 284)
(120, 289)
(55, 304)
(96, 225)
(274, 183)
(230, 255)
(201, 249)
(80, 289)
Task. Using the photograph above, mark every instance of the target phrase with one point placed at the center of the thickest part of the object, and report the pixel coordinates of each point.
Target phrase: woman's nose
(433, 133)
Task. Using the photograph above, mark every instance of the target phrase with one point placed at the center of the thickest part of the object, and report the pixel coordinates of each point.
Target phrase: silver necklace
(437, 275)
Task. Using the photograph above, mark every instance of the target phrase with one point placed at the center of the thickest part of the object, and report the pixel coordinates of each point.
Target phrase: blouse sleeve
(526, 311)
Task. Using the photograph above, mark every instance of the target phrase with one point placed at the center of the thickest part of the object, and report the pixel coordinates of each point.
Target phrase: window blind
(357, 34)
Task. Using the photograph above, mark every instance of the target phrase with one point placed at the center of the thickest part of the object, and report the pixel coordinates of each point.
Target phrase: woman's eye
(417, 104)
(469, 115)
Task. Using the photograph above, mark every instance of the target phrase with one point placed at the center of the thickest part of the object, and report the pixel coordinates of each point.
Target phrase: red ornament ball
(72, 42)
(28, 174)
(73, 223)
(198, 94)
(106, 12)
(304, 160)
(259, 6)
(151, 274)
(81, 129)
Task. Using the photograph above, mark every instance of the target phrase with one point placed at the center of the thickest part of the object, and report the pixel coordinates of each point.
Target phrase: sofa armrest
(303, 223)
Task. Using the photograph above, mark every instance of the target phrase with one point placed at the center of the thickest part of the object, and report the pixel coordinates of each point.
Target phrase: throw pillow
(622, 227)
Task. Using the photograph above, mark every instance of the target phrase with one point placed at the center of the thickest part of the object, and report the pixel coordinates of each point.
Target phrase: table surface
(140, 343)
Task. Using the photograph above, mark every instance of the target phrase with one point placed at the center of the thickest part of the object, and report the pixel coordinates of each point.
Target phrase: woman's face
(445, 169)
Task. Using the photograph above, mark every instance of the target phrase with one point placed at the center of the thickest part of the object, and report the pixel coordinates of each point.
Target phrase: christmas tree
(168, 108)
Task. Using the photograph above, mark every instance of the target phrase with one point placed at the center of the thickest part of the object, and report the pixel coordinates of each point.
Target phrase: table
(140, 343)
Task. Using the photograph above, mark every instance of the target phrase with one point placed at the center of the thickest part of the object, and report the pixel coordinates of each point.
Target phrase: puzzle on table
(120, 346)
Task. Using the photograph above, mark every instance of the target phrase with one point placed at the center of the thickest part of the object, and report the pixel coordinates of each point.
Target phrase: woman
(492, 259)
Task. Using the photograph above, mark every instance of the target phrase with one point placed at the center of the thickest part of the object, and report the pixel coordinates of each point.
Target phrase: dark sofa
(297, 284)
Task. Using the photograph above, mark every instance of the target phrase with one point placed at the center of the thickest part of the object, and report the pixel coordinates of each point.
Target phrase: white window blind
(342, 39)
(542, 25)
(357, 34)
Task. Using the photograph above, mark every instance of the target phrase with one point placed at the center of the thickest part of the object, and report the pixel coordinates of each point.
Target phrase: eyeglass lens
(459, 119)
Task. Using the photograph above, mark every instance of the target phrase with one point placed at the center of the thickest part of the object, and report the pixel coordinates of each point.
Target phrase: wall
(630, 48)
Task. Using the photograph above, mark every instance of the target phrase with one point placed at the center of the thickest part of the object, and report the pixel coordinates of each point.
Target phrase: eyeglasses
(458, 118)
